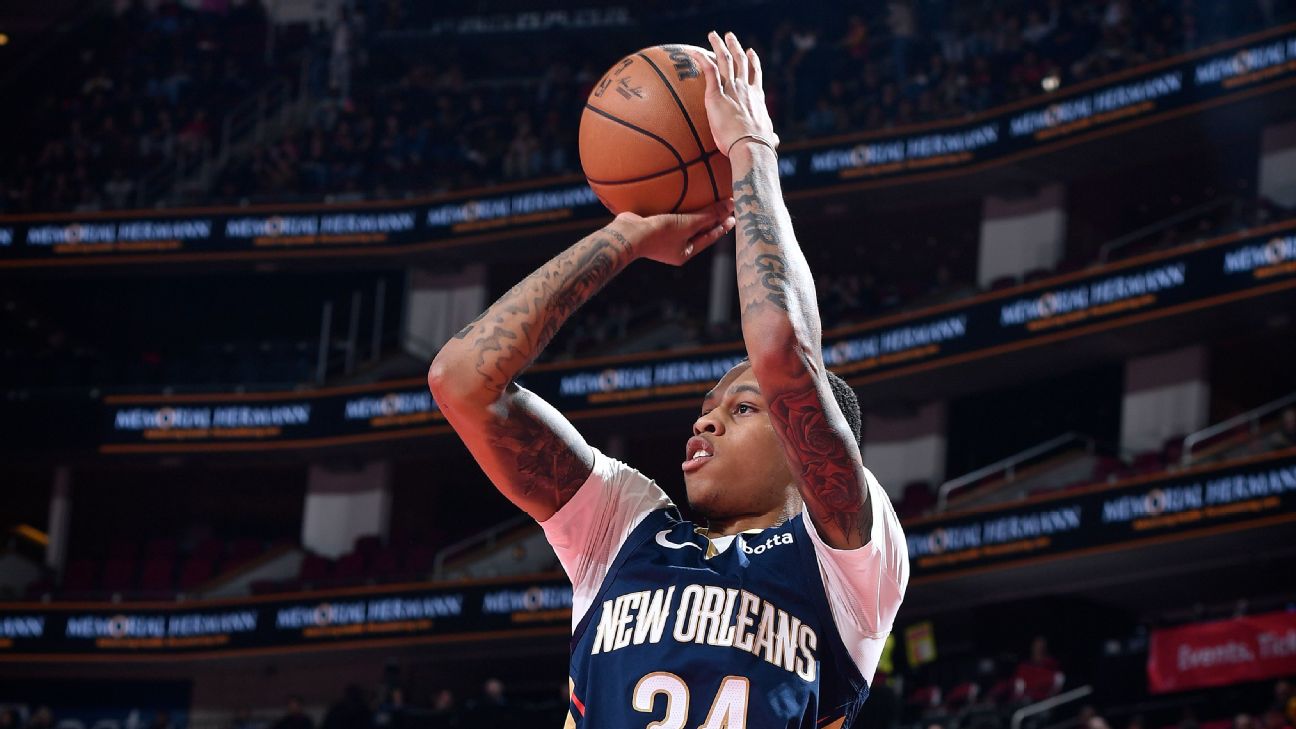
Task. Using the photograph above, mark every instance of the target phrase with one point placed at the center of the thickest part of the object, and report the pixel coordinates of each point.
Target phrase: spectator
(391, 713)
(41, 718)
(1284, 695)
(295, 717)
(1275, 719)
(1040, 674)
(350, 712)
(492, 707)
(444, 714)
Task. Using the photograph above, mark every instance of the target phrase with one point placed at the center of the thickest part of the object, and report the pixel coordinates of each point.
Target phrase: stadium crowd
(393, 112)
(493, 704)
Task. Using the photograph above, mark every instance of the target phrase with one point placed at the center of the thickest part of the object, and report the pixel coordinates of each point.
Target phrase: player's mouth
(698, 451)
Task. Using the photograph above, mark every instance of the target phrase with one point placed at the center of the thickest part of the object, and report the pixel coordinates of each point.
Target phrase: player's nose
(708, 423)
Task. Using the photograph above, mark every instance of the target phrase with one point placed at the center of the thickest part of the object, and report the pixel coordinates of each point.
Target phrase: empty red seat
(195, 571)
(915, 500)
(123, 549)
(386, 563)
(368, 545)
(1148, 462)
(161, 547)
(314, 568)
(81, 575)
(118, 575)
(209, 548)
(418, 560)
(242, 550)
(962, 695)
(349, 568)
(924, 697)
(157, 574)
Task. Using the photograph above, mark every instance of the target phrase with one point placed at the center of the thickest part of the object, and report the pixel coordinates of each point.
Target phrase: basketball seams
(675, 153)
(659, 173)
(715, 190)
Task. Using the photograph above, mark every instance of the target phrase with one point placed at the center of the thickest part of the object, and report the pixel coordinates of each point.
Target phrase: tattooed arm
(780, 315)
(532, 454)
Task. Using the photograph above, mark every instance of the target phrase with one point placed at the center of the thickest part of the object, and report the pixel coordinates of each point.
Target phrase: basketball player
(773, 614)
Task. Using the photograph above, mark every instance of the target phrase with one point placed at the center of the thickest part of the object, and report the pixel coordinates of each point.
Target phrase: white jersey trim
(865, 586)
(589, 530)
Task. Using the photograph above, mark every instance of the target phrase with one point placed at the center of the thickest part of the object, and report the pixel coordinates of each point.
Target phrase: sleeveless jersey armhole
(843, 665)
(651, 524)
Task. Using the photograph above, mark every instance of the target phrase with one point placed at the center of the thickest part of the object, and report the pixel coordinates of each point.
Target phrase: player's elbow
(783, 359)
(447, 378)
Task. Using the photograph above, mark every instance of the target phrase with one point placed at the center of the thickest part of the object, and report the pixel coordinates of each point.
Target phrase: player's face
(734, 464)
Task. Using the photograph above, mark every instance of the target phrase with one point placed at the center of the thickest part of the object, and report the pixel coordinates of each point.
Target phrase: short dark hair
(849, 404)
(846, 401)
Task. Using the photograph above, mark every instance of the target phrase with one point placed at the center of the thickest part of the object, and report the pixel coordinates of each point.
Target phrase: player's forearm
(780, 316)
(781, 329)
(487, 354)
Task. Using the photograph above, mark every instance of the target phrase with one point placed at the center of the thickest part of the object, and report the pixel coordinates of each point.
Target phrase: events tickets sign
(1235, 70)
(337, 619)
(1222, 652)
(1103, 515)
(1190, 278)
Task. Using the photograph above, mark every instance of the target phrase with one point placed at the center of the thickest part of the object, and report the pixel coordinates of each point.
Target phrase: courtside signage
(1222, 652)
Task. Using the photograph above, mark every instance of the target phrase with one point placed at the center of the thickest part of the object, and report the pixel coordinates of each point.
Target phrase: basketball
(645, 144)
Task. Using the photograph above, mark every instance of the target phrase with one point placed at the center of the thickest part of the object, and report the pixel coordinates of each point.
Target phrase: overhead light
(1051, 82)
(4, 39)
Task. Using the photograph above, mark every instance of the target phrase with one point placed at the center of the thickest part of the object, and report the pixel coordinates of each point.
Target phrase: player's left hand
(735, 92)
(677, 238)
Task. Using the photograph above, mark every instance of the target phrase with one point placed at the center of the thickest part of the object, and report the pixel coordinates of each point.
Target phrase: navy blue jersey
(745, 638)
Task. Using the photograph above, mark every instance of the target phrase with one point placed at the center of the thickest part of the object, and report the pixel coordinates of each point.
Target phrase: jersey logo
(662, 540)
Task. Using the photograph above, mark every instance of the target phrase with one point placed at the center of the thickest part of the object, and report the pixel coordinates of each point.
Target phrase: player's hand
(676, 238)
(735, 94)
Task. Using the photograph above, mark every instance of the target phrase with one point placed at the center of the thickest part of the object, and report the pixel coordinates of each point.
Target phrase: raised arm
(780, 315)
(532, 454)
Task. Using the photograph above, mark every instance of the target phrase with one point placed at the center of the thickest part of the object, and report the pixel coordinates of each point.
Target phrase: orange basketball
(645, 144)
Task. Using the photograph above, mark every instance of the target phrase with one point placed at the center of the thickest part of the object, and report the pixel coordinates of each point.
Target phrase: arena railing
(1008, 466)
(1048, 704)
(1250, 418)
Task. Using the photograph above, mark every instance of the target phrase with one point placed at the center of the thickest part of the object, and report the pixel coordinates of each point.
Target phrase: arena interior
(1054, 244)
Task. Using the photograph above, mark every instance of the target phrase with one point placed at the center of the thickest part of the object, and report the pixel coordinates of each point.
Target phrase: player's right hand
(676, 238)
(735, 94)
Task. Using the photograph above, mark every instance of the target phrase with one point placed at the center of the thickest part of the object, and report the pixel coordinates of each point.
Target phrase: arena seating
(391, 120)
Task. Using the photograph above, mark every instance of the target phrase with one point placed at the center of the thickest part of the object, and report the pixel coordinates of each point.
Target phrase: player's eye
(743, 408)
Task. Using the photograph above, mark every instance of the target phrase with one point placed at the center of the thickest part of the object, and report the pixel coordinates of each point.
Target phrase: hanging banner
(1230, 71)
(337, 618)
(1222, 652)
(1102, 515)
(1193, 277)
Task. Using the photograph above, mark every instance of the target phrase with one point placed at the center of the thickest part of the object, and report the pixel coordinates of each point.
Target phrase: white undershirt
(865, 586)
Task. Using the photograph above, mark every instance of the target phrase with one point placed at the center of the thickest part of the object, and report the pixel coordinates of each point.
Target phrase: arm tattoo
(761, 263)
(509, 335)
(549, 471)
(824, 467)
(777, 295)
(542, 460)
(771, 268)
